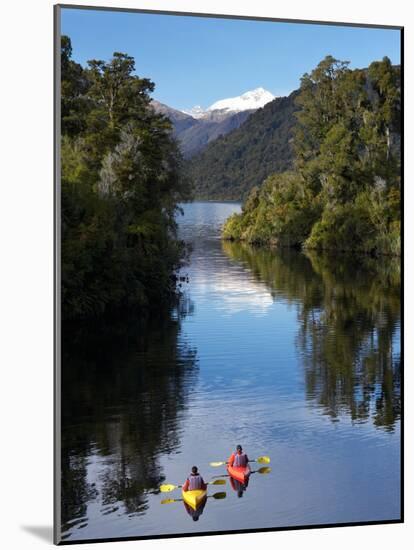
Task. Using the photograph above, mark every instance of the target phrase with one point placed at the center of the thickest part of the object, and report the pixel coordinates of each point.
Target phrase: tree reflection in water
(349, 318)
(125, 384)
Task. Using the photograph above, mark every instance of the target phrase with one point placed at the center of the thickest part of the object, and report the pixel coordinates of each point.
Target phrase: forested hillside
(343, 192)
(197, 137)
(120, 184)
(229, 167)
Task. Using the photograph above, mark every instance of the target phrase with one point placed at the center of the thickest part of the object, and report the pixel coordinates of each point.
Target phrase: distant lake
(292, 355)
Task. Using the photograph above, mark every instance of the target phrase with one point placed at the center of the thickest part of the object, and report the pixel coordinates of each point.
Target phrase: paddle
(216, 496)
(167, 488)
(260, 459)
(264, 470)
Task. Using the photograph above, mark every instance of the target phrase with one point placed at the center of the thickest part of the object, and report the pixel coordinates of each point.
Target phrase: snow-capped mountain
(249, 101)
(194, 133)
(196, 112)
(198, 127)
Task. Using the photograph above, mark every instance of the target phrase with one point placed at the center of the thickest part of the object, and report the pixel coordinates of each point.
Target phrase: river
(295, 356)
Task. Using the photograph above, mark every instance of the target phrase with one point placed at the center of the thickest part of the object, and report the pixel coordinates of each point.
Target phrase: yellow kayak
(194, 498)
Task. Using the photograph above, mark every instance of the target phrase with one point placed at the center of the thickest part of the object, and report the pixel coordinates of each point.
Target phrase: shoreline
(326, 251)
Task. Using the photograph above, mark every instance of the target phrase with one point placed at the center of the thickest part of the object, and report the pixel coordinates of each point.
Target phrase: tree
(382, 122)
(344, 193)
(121, 184)
(74, 87)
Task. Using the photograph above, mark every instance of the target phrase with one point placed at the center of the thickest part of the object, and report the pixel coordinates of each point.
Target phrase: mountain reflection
(125, 386)
(349, 318)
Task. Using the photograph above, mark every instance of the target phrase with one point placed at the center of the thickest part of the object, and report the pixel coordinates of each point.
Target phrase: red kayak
(241, 473)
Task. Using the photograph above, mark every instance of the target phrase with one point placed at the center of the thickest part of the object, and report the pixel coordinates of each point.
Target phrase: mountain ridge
(248, 101)
(230, 166)
(198, 127)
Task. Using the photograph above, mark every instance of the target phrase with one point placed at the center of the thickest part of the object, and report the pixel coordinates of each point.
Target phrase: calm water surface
(294, 356)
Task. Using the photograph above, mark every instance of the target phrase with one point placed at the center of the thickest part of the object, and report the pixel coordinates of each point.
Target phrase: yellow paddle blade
(264, 470)
(168, 501)
(219, 495)
(217, 463)
(217, 482)
(167, 488)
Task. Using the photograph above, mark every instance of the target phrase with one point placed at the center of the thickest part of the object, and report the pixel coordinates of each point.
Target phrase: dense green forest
(231, 165)
(121, 180)
(343, 192)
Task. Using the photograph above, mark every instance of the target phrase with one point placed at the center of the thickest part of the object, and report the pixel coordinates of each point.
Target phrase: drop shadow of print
(42, 532)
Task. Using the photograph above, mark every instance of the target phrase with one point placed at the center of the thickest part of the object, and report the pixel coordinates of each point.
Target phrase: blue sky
(197, 60)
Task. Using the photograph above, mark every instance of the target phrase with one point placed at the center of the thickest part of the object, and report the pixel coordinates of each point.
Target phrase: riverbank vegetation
(344, 190)
(121, 180)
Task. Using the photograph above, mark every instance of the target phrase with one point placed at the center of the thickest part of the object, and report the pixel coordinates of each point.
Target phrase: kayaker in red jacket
(194, 481)
(238, 458)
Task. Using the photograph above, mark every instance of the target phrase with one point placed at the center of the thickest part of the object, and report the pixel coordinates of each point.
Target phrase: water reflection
(195, 514)
(124, 386)
(295, 356)
(349, 321)
(239, 487)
